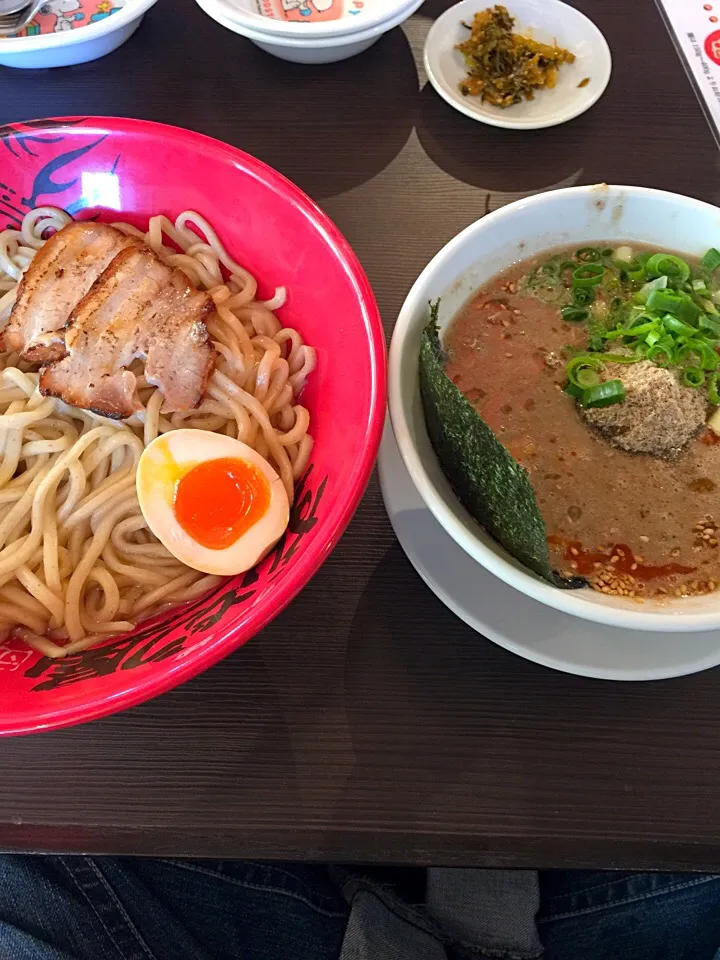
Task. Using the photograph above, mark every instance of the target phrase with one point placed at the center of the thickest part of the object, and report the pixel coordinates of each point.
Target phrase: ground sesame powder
(658, 416)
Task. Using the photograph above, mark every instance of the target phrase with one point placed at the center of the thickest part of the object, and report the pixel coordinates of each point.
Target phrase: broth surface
(632, 524)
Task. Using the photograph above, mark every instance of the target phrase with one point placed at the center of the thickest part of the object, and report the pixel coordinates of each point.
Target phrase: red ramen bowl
(103, 167)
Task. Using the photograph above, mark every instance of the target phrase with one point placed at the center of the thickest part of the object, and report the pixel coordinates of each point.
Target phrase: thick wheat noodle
(77, 560)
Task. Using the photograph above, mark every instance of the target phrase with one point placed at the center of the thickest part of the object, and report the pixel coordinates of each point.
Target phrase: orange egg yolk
(217, 501)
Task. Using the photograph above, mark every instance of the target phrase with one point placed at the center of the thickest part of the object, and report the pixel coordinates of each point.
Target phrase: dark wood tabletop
(367, 723)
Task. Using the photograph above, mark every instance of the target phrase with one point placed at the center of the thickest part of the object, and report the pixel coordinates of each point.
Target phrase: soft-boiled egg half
(212, 501)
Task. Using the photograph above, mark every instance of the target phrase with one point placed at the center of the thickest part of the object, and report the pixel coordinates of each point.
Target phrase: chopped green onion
(711, 260)
(665, 264)
(582, 296)
(573, 390)
(637, 319)
(638, 330)
(587, 377)
(660, 354)
(711, 359)
(659, 283)
(619, 333)
(713, 394)
(709, 324)
(693, 377)
(673, 325)
(589, 275)
(584, 361)
(652, 338)
(680, 305)
(618, 358)
(636, 272)
(574, 314)
(699, 286)
(604, 394)
(689, 355)
(588, 254)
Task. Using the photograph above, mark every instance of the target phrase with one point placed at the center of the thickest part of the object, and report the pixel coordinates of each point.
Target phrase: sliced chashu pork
(139, 307)
(60, 274)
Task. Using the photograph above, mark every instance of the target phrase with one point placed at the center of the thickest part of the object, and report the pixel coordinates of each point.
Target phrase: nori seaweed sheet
(491, 485)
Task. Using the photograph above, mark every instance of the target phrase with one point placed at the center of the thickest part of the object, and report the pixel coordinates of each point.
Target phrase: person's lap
(57, 908)
(626, 916)
(80, 908)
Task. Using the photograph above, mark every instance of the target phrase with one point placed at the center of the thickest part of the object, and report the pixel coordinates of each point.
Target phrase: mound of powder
(658, 415)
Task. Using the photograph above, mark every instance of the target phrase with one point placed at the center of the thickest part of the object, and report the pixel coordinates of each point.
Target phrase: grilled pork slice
(61, 273)
(139, 307)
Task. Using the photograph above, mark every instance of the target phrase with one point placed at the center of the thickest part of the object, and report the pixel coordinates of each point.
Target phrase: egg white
(165, 460)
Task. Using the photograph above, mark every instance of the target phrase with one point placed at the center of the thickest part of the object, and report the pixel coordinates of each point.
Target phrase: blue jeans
(80, 908)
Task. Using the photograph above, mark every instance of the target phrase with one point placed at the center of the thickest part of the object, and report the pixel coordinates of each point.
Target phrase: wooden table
(367, 723)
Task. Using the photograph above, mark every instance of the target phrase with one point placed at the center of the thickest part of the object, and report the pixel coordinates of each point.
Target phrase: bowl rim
(299, 42)
(313, 31)
(338, 516)
(67, 38)
(492, 558)
(587, 96)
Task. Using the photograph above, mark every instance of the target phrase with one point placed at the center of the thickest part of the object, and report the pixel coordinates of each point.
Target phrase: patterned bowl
(65, 32)
(103, 166)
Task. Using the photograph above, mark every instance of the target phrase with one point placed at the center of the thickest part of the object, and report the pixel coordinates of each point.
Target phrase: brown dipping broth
(632, 524)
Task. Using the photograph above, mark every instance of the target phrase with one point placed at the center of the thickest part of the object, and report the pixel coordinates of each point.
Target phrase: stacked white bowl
(315, 41)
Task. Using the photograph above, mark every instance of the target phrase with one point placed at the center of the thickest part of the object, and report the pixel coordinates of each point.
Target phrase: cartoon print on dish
(308, 11)
(57, 16)
(312, 10)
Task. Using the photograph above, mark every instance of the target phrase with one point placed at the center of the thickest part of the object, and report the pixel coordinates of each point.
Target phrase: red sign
(712, 46)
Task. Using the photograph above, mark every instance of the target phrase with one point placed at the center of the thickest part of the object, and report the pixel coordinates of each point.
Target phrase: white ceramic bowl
(548, 21)
(374, 14)
(79, 45)
(572, 216)
(305, 49)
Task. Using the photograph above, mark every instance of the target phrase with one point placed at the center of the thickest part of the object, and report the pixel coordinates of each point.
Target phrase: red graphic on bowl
(309, 11)
(712, 46)
(55, 16)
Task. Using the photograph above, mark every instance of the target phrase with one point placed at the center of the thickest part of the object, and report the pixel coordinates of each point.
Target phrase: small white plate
(548, 21)
(515, 621)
